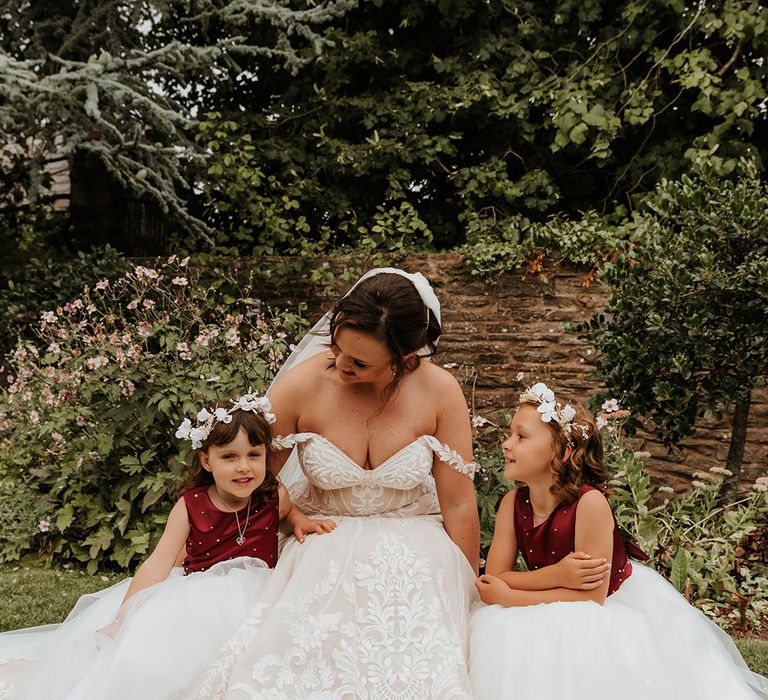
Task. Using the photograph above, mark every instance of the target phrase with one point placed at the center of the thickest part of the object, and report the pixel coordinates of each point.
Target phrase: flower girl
(149, 636)
(623, 633)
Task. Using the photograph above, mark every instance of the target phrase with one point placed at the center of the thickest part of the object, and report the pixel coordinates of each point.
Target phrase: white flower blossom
(49, 317)
(600, 422)
(180, 281)
(182, 432)
(548, 410)
(203, 415)
(222, 415)
(567, 413)
(102, 285)
(543, 392)
(610, 405)
(479, 421)
(43, 525)
(197, 435)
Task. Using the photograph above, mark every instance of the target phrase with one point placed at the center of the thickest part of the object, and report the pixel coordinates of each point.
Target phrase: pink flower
(148, 304)
(49, 317)
(127, 387)
(232, 338)
(102, 285)
(96, 362)
(144, 329)
(133, 304)
(180, 281)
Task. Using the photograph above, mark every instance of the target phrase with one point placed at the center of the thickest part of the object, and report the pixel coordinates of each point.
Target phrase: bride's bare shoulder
(304, 377)
(438, 379)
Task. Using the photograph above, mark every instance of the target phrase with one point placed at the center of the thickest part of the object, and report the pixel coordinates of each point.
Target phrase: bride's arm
(455, 491)
(286, 398)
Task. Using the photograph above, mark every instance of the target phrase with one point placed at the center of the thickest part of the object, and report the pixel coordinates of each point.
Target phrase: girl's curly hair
(258, 431)
(578, 459)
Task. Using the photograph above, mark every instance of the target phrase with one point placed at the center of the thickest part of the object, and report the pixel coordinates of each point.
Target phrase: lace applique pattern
(451, 457)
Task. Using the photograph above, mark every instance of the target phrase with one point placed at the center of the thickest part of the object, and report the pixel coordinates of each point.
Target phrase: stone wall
(514, 327)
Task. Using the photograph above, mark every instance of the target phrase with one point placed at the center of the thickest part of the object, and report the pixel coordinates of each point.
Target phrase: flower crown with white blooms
(550, 410)
(206, 420)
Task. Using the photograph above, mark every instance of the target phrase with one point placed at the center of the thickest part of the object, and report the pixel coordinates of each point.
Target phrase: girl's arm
(577, 570)
(300, 524)
(594, 536)
(157, 565)
(455, 491)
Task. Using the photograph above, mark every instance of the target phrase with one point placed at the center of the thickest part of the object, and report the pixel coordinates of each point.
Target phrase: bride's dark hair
(388, 307)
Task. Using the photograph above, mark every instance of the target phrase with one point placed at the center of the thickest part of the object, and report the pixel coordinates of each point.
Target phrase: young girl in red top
(149, 637)
(615, 630)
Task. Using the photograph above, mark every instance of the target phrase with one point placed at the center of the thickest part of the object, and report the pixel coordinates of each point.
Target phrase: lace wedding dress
(376, 609)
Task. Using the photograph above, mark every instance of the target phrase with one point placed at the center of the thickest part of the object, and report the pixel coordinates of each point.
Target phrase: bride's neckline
(352, 461)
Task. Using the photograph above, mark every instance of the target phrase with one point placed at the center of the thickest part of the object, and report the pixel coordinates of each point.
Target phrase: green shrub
(45, 282)
(87, 419)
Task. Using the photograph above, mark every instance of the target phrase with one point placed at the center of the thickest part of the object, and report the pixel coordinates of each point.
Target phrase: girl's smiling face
(530, 447)
(238, 469)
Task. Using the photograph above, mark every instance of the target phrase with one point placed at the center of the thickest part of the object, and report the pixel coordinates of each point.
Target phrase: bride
(382, 443)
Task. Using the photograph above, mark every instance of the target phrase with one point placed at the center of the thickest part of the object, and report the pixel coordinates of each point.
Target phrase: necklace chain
(240, 539)
(539, 515)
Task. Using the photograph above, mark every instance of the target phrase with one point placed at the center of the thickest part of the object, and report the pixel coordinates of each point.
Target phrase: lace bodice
(335, 485)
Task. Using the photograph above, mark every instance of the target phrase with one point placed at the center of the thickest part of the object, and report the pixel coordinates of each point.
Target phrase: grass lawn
(37, 596)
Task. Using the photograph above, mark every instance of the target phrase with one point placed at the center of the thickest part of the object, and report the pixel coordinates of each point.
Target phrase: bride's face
(360, 358)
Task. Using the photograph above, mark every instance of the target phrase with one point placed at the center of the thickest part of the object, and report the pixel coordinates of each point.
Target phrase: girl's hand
(580, 571)
(108, 633)
(304, 526)
(492, 589)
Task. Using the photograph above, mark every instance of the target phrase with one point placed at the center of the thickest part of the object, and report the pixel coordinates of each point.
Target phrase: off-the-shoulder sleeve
(288, 442)
(451, 457)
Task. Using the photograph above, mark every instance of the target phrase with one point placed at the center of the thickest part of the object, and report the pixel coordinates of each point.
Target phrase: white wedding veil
(316, 341)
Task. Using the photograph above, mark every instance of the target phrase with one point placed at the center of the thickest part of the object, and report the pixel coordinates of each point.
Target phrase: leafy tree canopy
(122, 80)
(462, 120)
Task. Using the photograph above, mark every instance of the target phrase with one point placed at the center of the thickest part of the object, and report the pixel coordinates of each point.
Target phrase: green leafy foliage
(119, 82)
(483, 117)
(87, 419)
(710, 549)
(43, 283)
(692, 292)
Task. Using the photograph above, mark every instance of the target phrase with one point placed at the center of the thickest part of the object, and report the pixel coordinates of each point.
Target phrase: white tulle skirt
(171, 631)
(646, 642)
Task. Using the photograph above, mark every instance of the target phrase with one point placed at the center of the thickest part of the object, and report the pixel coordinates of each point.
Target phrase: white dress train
(172, 629)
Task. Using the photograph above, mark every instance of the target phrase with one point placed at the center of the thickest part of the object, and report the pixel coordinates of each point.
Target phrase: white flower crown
(551, 410)
(206, 420)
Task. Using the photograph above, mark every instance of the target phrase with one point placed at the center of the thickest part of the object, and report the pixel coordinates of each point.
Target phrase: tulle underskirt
(646, 642)
(171, 630)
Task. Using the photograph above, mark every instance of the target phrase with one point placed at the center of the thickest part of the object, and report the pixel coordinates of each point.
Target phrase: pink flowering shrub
(91, 404)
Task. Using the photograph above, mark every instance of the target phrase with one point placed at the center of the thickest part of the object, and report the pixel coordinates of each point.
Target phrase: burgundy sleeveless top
(550, 541)
(213, 533)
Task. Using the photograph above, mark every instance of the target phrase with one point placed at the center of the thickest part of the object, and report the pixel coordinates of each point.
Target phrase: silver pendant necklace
(240, 539)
